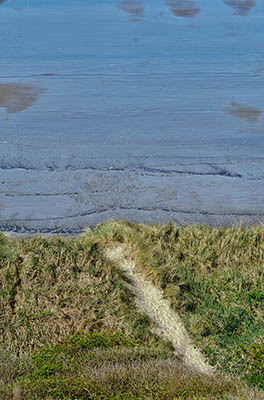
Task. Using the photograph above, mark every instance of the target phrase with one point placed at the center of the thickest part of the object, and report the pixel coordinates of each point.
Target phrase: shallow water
(145, 110)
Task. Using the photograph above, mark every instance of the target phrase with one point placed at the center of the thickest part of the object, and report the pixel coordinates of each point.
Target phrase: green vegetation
(69, 328)
(95, 366)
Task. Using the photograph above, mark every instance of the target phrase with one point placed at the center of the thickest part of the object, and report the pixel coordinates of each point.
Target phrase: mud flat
(129, 109)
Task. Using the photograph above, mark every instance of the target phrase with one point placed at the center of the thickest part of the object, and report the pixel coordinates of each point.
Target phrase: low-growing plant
(253, 363)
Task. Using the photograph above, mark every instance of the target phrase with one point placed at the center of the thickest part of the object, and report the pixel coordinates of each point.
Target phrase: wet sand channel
(150, 111)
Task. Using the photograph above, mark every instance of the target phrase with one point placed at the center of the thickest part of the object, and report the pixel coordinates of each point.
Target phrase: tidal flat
(150, 111)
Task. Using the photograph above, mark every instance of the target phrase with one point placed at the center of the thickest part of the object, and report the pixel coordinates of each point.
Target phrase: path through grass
(149, 300)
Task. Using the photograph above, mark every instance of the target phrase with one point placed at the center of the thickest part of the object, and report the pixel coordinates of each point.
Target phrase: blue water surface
(129, 86)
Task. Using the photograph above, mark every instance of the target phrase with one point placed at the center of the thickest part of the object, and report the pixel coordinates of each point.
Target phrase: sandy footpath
(149, 300)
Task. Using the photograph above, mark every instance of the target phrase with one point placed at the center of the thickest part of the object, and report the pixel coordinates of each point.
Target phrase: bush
(253, 356)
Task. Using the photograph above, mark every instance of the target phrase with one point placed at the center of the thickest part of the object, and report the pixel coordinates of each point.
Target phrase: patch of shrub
(253, 366)
(49, 361)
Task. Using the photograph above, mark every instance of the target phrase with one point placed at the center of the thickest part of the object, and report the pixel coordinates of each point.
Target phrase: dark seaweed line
(40, 194)
(146, 209)
(180, 211)
(82, 214)
(218, 171)
(13, 228)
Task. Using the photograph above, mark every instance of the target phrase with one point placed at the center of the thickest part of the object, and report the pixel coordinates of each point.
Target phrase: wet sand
(147, 111)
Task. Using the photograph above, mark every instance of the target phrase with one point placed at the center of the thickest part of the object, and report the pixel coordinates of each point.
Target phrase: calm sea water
(148, 110)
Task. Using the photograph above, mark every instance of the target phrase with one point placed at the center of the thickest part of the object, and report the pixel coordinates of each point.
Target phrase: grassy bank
(69, 328)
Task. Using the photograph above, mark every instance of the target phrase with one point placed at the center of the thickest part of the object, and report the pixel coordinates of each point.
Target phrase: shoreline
(17, 231)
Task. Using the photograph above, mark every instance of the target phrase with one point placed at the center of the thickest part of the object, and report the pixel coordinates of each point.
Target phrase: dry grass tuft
(17, 392)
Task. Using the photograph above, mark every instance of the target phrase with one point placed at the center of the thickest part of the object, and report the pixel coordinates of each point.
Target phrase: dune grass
(69, 328)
